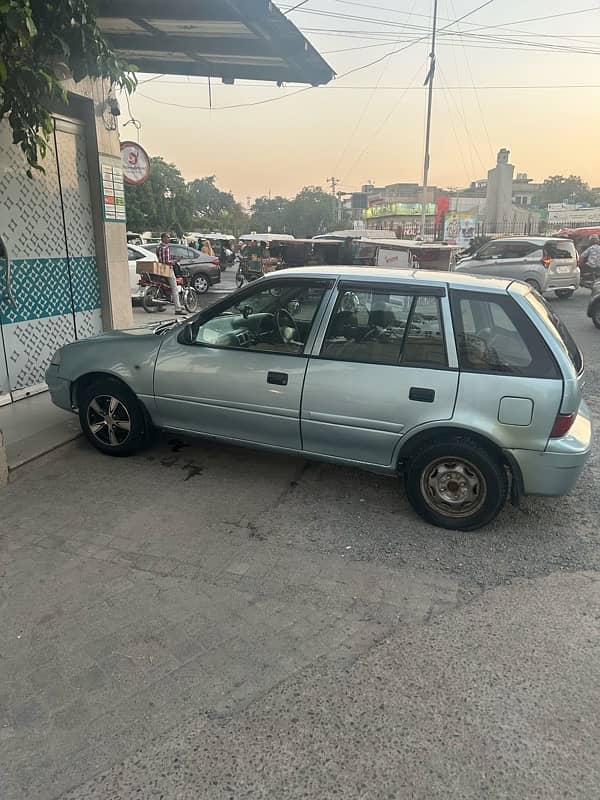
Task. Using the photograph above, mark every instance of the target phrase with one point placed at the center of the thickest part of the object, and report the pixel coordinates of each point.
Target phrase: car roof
(534, 239)
(141, 249)
(423, 277)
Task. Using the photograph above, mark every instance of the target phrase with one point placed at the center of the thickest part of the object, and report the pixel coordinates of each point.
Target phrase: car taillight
(578, 260)
(562, 425)
(546, 260)
(216, 262)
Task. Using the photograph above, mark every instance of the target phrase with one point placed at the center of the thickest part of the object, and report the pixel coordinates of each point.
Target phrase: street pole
(428, 80)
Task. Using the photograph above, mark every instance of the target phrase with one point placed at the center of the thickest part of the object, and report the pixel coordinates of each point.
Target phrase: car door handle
(278, 378)
(421, 395)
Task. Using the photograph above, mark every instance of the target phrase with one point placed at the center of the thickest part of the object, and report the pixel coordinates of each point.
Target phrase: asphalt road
(201, 621)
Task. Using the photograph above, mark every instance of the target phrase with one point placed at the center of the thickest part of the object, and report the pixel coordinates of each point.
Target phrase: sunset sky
(370, 124)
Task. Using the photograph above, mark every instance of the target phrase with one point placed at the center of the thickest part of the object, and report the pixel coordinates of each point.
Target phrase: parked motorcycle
(157, 294)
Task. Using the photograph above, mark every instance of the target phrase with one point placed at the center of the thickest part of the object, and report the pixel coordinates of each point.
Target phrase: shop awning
(228, 39)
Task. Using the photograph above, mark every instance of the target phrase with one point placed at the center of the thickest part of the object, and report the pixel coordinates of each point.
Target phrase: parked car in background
(134, 254)
(470, 388)
(204, 270)
(546, 263)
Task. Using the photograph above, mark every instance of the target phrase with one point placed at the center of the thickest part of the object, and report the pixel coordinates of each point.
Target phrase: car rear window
(562, 249)
(545, 311)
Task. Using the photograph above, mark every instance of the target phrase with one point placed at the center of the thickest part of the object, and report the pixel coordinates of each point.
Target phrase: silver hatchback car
(545, 263)
(470, 388)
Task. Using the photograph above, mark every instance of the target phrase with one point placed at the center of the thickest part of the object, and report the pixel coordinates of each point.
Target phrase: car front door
(237, 371)
(382, 368)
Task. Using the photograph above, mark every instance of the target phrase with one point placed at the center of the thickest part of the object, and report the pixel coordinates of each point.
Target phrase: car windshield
(545, 311)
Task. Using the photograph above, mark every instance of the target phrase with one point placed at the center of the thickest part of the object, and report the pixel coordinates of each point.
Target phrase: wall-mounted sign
(397, 210)
(136, 163)
(113, 191)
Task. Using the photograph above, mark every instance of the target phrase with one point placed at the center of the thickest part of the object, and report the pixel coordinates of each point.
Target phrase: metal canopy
(228, 39)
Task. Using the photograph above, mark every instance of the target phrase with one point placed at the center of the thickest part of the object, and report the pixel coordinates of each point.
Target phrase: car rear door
(381, 368)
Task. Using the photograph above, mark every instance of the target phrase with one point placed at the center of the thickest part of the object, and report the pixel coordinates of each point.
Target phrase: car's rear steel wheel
(456, 483)
(454, 487)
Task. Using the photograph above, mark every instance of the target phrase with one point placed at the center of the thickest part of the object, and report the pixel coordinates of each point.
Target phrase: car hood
(145, 329)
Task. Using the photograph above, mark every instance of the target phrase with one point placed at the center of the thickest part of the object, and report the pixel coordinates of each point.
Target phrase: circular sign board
(136, 163)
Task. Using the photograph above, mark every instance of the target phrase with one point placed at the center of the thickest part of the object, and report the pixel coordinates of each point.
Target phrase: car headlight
(56, 358)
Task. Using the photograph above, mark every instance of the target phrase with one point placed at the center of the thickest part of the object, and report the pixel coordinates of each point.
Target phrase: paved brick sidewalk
(139, 593)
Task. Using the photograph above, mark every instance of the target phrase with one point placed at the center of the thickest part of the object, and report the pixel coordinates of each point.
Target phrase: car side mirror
(187, 334)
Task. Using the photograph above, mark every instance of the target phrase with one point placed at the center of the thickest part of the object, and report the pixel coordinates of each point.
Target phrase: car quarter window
(382, 326)
(272, 317)
(132, 255)
(493, 335)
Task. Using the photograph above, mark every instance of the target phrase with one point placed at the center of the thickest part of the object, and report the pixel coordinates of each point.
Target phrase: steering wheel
(288, 322)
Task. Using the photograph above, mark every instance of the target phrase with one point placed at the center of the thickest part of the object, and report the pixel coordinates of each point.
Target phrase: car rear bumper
(59, 388)
(567, 281)
(555, 471)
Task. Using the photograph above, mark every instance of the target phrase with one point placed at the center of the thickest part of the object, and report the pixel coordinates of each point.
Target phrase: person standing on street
(591, 256)
(163, 254)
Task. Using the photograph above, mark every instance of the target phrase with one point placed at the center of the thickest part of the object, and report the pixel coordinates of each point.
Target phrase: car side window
(491, 250)
(132, 255)
(519, 249)
(376, 326)
(493, 335)
(273, 318)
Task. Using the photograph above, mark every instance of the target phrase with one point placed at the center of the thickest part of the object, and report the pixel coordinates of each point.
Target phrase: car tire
(112, 418)
(456, 484)
(534, 285)
(564, 294)
(201, 283)
(595, 314)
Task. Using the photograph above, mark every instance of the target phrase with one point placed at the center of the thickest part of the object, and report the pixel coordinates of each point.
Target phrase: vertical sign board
(113, 191)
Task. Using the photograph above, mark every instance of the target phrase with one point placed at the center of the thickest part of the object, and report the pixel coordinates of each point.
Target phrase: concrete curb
(3, 462)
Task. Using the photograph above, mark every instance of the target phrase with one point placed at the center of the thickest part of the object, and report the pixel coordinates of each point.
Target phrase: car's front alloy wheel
(456, 484)
(112, 418)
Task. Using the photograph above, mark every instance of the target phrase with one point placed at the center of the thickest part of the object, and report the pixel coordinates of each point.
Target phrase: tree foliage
(35, 37)
(311, 212)
(163, 203)
(558, 189)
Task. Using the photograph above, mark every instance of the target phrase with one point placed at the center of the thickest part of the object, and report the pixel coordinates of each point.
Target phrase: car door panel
(238, 370)
(371, 382)
(226, 392)
(360, 411)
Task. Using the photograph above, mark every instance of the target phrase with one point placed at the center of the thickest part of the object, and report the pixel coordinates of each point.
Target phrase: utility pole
(428, 80)
(333, 182)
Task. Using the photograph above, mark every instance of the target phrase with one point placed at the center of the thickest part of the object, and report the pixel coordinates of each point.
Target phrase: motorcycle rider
(163, 254)
(591, 257)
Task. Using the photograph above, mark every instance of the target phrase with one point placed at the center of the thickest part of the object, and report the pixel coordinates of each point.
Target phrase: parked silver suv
(547, 264)
(469, 388)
